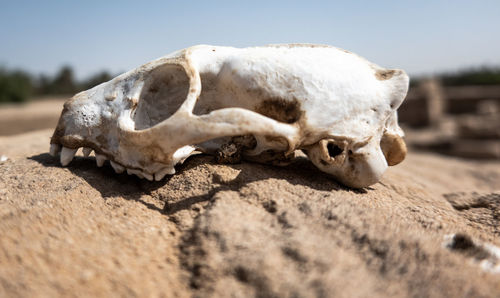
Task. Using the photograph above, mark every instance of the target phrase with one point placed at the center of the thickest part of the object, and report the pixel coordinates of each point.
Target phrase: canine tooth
(117, 167)
(54, 149)
(86, 151)
(67, 155)
(166, 171)
(135, 172)
(100, 159)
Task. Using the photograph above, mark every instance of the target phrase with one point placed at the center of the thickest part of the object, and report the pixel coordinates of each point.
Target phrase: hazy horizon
(422, 38)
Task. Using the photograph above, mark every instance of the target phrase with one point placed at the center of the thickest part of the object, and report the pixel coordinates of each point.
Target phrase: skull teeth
(117, 167)
(54, 149)
(135, 172)
(148, 176)
(140, 174)
(100, 159)
(161, 174)
(67, 155)
(86, 151)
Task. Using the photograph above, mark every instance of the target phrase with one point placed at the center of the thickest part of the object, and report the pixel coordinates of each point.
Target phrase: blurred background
(451, 49)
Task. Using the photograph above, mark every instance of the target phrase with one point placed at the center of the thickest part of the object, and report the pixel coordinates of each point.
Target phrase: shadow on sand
(110, 184)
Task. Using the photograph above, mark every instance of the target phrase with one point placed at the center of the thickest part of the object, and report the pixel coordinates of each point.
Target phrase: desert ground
(429, 228)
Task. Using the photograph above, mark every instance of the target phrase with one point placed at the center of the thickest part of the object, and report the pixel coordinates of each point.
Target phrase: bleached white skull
(336, 106)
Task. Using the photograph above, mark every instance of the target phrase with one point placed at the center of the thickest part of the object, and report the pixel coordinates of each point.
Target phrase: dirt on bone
(384, 74)
(394, 148)
(228, 154)
(287, 111)
(232, 152)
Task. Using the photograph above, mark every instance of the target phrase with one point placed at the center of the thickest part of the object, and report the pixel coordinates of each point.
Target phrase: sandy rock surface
(245, 230)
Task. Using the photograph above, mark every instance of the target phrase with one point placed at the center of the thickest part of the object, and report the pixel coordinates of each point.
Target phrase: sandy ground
(245, 230)
(33, 115)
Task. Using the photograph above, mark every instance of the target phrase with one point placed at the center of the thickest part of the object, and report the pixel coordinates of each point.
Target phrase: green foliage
(62, 83)
(18, 86)
(15, 86)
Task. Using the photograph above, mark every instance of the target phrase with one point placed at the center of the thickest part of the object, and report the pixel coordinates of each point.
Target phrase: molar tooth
(135, 172)
(117, 167)
(166, 171)
(159, 176)
(100, 159)
(147, 176)
(54, 149)
(86, 151)
(67, 155)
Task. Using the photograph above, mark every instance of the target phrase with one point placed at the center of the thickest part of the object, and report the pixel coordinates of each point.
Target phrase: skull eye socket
(333, 150)
(163, 93)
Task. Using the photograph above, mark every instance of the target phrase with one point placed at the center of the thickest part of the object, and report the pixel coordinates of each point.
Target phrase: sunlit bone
(336, 106)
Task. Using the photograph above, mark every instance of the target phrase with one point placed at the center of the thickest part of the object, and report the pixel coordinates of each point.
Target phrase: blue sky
(421, 37)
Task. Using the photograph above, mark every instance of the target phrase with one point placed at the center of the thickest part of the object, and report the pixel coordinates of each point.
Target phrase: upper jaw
(67, 147)
(87, 123)
(97, 124)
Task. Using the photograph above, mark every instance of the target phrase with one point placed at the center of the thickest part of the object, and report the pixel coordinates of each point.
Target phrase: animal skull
(334, 105)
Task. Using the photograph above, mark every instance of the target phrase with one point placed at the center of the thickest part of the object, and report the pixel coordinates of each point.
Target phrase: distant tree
(95, 80)
(43, 85)
(18, 86)
(64, 82)
(15, 86)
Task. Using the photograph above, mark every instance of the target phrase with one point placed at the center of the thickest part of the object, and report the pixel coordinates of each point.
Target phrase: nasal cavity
(165, 89)
(333, 150)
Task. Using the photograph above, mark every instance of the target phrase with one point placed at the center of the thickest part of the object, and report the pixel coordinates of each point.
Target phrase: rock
(245, 229)
(479, 126)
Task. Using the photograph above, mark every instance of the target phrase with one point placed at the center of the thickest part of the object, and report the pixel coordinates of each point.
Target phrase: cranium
(334, 105)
